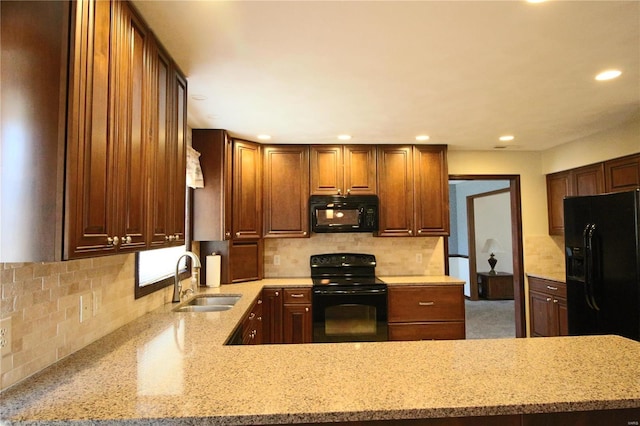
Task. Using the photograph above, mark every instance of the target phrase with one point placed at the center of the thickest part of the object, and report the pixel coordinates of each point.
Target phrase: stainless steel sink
(215, 299)
(209, 303)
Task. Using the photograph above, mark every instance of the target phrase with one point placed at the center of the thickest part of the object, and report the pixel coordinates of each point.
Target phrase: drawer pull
(297, 295)
(426, 303)
(552, 288)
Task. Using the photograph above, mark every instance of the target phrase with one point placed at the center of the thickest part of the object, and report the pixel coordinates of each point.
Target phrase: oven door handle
(356, 292)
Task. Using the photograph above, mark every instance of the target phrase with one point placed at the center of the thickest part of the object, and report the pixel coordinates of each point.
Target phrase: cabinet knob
(306, 309)
(419, 231)
(555, 300)
(237, 234)
(127, 239)
(277, 293)
(548, 299)
(110, 241)
(166, 238)
(410, 232)
(304, 233)
(339, 191)
(116, 240)
(259, 301)
(227, 234)
(176, 237)
(252, 315)
(348, 191)
(259, 318)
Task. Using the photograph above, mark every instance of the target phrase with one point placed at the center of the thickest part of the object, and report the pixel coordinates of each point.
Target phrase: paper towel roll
(213, 270)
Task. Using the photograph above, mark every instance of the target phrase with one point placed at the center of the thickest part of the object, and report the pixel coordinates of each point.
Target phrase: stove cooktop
(348, 281)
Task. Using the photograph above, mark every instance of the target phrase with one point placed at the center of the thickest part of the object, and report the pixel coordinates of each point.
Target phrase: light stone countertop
(172, 368)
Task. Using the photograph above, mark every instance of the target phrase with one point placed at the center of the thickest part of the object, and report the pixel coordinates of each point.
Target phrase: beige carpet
(490, 319)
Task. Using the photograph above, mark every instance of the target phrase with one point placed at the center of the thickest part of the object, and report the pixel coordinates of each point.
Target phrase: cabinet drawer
(297, 295)
(427, 331)
(426, 303)
(553, 288)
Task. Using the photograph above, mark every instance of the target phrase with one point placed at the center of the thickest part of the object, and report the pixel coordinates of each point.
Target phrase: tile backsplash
(42, 300)
(395, 256)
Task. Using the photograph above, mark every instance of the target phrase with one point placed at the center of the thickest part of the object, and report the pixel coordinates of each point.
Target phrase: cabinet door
(541, 314)
(178, 160)
(131, 131)
(160, 158)
(91, 154)
(431, 190)
(558, 187)
(297, 323)
(286, 191)
(247, 191)
(272, 315)
(360, 169)
(245, 261)
(326, 170)
(588, 180)
(622, 174)
(395, 190)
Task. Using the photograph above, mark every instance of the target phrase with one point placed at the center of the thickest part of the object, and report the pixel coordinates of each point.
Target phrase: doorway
(512, 188)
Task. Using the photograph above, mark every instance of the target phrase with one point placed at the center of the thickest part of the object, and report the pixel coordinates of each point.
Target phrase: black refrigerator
(602, 253)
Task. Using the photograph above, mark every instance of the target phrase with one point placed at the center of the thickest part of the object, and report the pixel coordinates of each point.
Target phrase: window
(155, 269)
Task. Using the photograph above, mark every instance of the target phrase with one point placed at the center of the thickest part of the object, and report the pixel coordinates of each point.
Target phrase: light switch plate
(5, 336)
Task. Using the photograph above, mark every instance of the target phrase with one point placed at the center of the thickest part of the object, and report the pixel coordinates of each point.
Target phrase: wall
(614, 143)
(42, 300)
(395, 256)
(493, 220)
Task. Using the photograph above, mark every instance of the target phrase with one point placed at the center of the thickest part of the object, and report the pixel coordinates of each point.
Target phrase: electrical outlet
(97, 302)
(276, 259)
(418, 257)
(86, 301)
(5, 336)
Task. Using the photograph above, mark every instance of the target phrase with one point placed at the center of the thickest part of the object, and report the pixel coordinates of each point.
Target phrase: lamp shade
(492, 246)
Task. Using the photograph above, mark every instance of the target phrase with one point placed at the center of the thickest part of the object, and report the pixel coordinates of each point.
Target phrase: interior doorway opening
(490, 190)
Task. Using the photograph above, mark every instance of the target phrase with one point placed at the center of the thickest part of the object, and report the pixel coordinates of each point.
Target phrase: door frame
(517, 246)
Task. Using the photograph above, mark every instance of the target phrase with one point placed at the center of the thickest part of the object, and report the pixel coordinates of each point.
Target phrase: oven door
(349, 314)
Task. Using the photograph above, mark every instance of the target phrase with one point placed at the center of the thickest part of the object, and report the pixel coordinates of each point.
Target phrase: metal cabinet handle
(127, 239)
(259, 302)
(548, 299)
(555, 300)
(426, 303)
(552, 288)
(297, 295)
(252, 315)
(259, 318)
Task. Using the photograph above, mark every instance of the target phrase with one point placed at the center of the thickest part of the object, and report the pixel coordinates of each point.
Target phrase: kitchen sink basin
(215, 299)
(209, 303)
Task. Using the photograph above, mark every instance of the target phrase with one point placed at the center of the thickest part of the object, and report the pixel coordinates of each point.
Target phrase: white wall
(614, 143)
(492, 217)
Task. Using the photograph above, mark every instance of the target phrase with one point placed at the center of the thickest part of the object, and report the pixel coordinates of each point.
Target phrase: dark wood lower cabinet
(297, 318)
(272, 310)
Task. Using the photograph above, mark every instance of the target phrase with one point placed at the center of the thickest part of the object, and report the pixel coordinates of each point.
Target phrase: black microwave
(343, 213)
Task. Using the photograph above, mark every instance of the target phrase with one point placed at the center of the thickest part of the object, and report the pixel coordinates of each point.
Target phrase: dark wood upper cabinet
(413, 190)
(286, 191)
(431, 190)
(92, 137)
(343, 169)
(247, 191)
(558, 187)
(622, 174)
(395, 190)
(100, 149)
(178, 177)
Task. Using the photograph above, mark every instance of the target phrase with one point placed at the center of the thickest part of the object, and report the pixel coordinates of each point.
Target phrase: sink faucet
(195, 269)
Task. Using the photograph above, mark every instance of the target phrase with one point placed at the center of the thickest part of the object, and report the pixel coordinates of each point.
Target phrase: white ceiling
(462, 72)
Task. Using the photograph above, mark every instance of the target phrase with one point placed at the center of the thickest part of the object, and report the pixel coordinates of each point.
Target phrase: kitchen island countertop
(170, 368)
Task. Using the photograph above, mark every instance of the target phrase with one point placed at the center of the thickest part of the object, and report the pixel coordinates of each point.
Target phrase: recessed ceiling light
(608, 75)
(422, 138)
(344, 137)
(198, 97)
(264, 137)
(506, 138)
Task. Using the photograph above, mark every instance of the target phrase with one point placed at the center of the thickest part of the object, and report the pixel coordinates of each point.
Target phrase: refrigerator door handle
(587, 266)
(590, 261)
